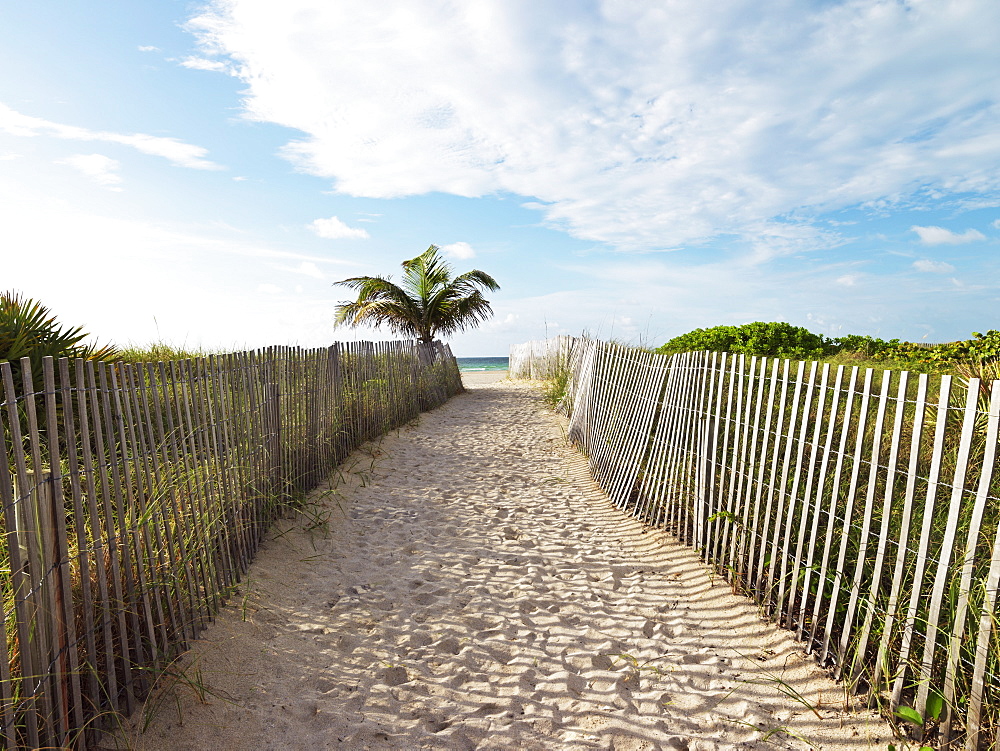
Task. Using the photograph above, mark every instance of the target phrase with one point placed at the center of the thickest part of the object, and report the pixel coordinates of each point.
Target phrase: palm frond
(28, 329)
(476, 278)
(427, 302)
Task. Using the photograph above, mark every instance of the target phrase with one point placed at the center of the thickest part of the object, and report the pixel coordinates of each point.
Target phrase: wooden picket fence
(540, 360)
(134, 497)
(860, 509)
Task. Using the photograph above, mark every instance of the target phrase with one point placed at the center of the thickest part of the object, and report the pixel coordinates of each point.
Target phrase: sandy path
(479, 592)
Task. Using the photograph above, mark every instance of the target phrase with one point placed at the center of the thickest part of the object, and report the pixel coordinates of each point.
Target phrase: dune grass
(163, 351)
(858, 507)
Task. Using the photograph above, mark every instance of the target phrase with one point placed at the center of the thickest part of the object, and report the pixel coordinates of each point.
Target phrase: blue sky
(202, 173)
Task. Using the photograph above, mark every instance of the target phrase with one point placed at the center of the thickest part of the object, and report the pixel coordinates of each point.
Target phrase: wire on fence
(860, 509)
(134, 497)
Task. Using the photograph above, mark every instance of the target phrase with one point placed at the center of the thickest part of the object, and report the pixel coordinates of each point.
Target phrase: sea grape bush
(867, 346)
(775, 339)
(778, 339)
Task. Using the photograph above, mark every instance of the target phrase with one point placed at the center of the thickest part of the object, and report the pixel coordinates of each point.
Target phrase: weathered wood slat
(37, 528)
(807, 493)
(803, 490)
(8, 706)
(22, 550)
(716, 367)
(770, 602)
(758, 369)
(736, 462)
(834, 503)
(917, 587)
(679, 475)
(906, 519)
(68, 699)
(846, 526)
(133, 497)
(874, 456)
(115, 546)
(818, 492)
(157, 406)
(941, 575)
(858, 667)
(793, 502)
(986, 469)
(757, 536)
(722, 453)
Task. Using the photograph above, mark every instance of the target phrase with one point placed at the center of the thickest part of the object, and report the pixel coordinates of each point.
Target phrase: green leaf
(935, 703)
(428, 303)
(910, 715)
(728, 516)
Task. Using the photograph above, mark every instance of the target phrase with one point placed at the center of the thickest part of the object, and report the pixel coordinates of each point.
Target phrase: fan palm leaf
(28, 329)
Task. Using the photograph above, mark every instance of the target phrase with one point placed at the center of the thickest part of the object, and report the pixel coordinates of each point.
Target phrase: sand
(466, 585)
(482, 378)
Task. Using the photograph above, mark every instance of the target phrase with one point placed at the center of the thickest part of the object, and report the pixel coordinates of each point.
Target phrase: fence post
(34, 531)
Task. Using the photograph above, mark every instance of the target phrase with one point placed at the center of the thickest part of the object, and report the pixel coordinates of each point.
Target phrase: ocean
(482, 363)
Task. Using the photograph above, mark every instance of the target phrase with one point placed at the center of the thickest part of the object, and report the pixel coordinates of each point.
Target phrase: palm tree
(427, 303)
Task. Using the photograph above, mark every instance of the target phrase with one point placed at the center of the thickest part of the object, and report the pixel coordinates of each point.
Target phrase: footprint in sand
(602, 662)
(505, 614)
(394, 676)
(436, 725)
(418, 640)
(449, 645)
(347, 643)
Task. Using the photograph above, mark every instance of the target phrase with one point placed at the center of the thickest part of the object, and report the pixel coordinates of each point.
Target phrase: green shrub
(794, 342)
(777, 339)
(866, 346)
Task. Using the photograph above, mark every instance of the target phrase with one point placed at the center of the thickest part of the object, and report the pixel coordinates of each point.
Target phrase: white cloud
(334, 229)
(642, 125)
(148, 48)
(848, 280)
(178, 152)
(933, 267)
(8, 157)
(269, 289)
(103, 170)
(942, 236)
(460, 250)
(307, 268)
(995, 224)
(203, 63)
(770, 240)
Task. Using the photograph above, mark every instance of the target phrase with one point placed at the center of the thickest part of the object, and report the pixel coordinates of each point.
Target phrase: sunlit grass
(162, 352)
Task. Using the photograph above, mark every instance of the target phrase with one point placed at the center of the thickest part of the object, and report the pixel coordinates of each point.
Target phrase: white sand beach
(465, 585)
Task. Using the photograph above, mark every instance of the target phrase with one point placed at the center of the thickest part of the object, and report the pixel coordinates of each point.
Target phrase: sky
(203, 173)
